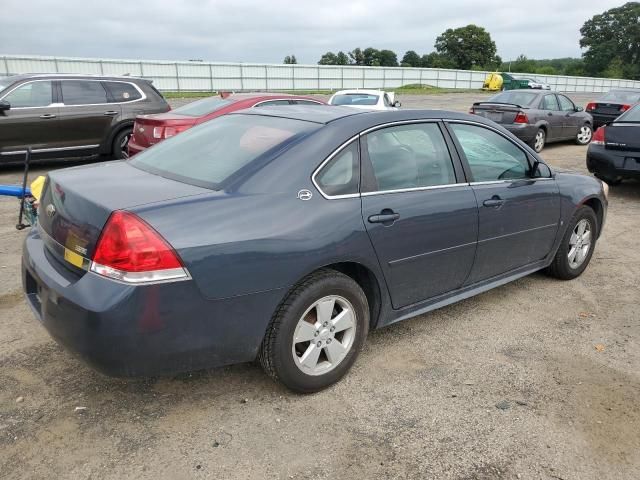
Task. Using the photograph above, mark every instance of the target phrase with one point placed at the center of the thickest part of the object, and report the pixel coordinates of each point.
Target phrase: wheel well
(367, 280)
(108, 146)
(543, 126)
(596, 206)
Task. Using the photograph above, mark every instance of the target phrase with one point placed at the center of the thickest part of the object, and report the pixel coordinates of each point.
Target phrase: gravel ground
(538, 379)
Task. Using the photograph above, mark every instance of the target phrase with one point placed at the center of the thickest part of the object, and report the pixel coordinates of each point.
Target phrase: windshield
(628, 97)
(211, 153)
(632, 115)
(4, 83)
(355, 99)
(202, 107)
(515, 97)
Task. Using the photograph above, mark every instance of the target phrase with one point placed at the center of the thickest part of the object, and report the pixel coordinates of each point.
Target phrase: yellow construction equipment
(493, 82)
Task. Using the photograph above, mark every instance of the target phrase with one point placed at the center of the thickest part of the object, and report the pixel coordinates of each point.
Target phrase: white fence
(205, 76)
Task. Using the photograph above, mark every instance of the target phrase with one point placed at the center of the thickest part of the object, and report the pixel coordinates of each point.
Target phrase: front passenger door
(571, 122)
(553, 116)
(518, 211)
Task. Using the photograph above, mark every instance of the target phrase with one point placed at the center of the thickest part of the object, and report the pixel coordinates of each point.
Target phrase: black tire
(276, 351)
(121, 140)
(611, 181)
(538, 146)
(582, 138)
(560, 267)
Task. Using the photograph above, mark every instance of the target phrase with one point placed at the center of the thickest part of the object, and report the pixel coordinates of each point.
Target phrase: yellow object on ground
(493, 82)
(36, 187)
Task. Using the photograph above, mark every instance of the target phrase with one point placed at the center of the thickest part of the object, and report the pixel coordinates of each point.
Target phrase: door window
(549, 102)
(305, 102)
(409, 156)
(387, 103)
(271, 103)
(122, 92)
(490, 156)
(83, 92)
(566, 105)
(31, 95)
(341, 176)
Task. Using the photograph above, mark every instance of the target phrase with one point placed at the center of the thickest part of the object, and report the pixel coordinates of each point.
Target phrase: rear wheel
(577, 246)
(316, 333)
(584, 134)
(120, 144)
(539, 140)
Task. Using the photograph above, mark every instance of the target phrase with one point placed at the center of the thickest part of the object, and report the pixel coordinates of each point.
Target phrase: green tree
(387, 58)
(290, 60)
(328, 58)
(437, 60)
(411, 59)
(357, 56)
(371, 57)
(467, 47)
(342, 58)
(615, 69)
(546, 70)
(611, 36)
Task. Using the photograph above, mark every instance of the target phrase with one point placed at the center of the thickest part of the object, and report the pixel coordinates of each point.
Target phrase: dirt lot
(505, 385)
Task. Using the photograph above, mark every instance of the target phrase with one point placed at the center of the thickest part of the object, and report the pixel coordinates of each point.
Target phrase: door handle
(385, 216)
(48, 115)
(493, 202)
(549, 114)
(111, 112)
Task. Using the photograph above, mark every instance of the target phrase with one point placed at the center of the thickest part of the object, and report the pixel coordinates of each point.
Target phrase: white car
(535, 84)
(365, 99)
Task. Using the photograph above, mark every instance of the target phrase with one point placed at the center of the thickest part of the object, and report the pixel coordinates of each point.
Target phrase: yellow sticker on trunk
(73, 258)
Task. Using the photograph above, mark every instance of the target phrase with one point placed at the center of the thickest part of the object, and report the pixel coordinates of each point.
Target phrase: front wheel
(316, 333)
(121, 144)
(577, 246)
(584, 134)
(539, 140)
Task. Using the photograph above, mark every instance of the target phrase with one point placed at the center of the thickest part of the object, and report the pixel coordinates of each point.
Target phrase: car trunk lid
(504, 113)
(623, 136)
(151, 129)
(77, 202)
(607, 108)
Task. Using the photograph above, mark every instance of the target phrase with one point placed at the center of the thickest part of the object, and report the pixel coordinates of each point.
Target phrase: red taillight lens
(472, 111)
(591, 107)
(624, 108)
(521, 117)
(171, 131)
(598, 136)
(130, 250)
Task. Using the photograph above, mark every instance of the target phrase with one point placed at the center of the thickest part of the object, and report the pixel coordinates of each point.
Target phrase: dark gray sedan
(538, 118)
(288, 233)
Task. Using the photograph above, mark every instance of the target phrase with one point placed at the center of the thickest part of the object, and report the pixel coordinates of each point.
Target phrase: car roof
(72, 76)
(353, 91)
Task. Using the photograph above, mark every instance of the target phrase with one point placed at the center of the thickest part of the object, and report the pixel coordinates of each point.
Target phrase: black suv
(62, 116)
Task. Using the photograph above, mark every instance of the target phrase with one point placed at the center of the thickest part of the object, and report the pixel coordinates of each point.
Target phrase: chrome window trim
(49, 150)
(61, 105)
(415, 189)
(511, 180)
(271, 100)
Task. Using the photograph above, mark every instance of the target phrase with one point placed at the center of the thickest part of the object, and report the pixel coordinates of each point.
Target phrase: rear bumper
(125, 330)
(524, 132)
(613, 163)
(134, 148)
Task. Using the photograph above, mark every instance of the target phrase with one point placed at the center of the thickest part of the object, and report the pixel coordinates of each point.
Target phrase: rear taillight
(169, 131)
(472, 111)
(624, 108)
(131, 251)
(591, 106)
(598, 137)
(521, 117)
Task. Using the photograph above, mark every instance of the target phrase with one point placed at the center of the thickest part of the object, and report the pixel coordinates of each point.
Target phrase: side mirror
(397, 104)
(579, 109)
(4, 106)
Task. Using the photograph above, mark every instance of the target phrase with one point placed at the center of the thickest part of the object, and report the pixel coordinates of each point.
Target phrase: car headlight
(605, 190)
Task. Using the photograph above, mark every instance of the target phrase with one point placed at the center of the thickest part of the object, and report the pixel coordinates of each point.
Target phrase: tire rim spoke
(310, 357)
(343, 320)
(579, 243)
(335, 352)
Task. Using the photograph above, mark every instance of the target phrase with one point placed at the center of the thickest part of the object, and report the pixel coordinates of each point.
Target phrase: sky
(266, 31)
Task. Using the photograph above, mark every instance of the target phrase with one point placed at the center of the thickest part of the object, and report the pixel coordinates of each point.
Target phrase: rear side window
(83, 92)
(122, 92)
(210, 154)
(30, 95)
(409, 156)
(490, 156)
(341, 175)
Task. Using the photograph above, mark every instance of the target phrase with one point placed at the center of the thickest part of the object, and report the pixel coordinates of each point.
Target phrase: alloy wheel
(123, 146)
(539, 142)
(324, 335)
(584, 135)
(579, 243)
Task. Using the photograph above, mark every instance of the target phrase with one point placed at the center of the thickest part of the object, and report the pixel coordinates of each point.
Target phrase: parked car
(287, 234)
(365, 99)
(537, 118)
(63, 116)
(151, 129)
(614, 152)
(535, 84)
(611, 105)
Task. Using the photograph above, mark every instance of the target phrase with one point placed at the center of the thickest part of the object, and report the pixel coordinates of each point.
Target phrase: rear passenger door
(553, 116)
(86, 115)
(421, 216)
(519, 210)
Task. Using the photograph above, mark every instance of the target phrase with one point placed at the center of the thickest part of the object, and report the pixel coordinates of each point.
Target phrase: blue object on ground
(13, 191)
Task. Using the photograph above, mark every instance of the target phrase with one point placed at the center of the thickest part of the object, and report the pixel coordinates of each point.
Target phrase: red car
(151, 129)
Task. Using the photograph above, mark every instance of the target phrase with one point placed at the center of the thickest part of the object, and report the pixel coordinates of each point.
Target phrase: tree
(613, 36)
(342, 58)
(467, 47)
(290, 60)
(331, 58)
(371, 57)
(411, 59)
(522, 65)
(387, 58)
(357, 56)
(437, 60)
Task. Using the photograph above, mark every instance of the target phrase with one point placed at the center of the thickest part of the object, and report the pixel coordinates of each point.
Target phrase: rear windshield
(355, 99)
(515, 97)
(632, 115)
(202, 107)
(628, 97)
(212, 153)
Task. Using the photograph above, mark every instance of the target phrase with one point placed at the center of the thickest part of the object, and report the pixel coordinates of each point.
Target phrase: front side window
(209, 154)
(409, 156)
(83, 92)
(490, 156)
(341, 175)
(122, 92)
(566, 105)
(31, 95)
(549, 102)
